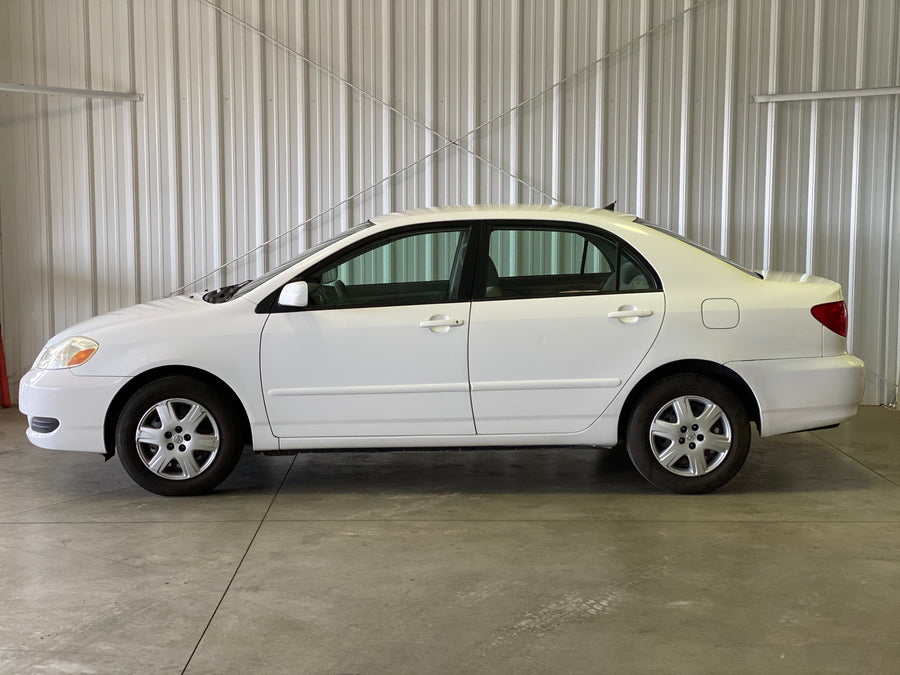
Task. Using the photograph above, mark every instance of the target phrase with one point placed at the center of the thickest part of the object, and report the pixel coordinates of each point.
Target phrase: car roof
(503, 212)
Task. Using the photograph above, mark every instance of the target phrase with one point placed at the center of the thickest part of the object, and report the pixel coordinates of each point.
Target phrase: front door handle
(437, 323)
(441, 323)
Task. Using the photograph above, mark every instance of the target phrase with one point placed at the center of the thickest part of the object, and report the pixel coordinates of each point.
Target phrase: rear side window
(527, 261)
(523, 253)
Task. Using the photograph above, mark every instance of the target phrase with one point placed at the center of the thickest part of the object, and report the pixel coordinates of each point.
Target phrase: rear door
(561, 318)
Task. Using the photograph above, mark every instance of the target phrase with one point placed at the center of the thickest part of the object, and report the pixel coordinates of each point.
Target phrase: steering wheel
(318, 294)
(343, 294)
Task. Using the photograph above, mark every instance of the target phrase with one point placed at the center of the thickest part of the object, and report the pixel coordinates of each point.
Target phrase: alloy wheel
(177, 439)
(690, 436)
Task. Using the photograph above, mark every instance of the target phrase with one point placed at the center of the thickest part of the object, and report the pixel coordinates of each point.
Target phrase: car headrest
(627, 274)
(492, 280)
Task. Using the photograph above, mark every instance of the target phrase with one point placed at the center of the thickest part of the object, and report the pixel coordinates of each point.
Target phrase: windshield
(714, 254)
(237, 290)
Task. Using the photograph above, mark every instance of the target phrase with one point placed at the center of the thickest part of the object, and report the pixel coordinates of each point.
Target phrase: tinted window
(520, 253)
(243, 290)
(418, 268)
(632, 274)
(531, 262)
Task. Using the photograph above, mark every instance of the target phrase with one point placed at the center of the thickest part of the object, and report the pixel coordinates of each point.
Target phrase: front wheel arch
(133, 385)
(710, 369)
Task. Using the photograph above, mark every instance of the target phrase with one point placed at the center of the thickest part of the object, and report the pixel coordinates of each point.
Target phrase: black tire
(199, 438)
(701, 438)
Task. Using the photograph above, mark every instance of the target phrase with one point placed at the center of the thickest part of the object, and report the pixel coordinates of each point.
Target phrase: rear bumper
(801, 394)
(79, 404)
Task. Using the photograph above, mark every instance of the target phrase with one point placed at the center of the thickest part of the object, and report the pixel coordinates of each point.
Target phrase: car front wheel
(178, 436)
(689, 434)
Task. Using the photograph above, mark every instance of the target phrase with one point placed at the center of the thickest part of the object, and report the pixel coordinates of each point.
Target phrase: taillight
(832, 315)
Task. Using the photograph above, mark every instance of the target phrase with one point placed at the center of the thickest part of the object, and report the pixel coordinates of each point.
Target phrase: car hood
(148, 311)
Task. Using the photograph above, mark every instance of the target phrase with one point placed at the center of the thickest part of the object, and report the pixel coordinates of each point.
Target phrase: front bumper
(78, 403)
(801, 394)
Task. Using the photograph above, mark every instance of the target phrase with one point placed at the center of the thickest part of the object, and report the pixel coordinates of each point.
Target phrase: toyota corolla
(447, 328)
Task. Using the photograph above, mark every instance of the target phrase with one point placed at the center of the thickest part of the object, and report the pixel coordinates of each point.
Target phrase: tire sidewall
(218, 406)
(648, 406)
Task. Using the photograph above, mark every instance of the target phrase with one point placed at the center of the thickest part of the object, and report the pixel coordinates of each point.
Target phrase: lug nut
(170, 446)
(699, 437)
(692, 446)
(168, 434)
(177, 430)
(187, 437)
(681, 441)
(683, 429)
(693, 427)
(181, 447)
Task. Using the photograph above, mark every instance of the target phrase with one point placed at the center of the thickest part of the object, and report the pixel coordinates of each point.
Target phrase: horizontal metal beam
(66, 91)
(818, 95)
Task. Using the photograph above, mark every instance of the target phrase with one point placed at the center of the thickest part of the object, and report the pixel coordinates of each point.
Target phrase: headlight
(67, 353)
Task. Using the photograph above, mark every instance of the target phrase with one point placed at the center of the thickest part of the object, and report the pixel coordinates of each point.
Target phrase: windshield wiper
(225, 293)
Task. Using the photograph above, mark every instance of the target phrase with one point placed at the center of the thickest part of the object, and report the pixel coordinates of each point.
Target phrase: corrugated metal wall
(267, 125)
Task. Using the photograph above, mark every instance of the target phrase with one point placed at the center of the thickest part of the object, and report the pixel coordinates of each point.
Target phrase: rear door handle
(628, 313)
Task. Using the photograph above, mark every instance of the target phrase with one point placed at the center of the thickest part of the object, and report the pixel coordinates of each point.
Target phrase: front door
(382, 348)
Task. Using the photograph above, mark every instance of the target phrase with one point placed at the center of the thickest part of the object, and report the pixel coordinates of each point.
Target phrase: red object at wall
(4, 381)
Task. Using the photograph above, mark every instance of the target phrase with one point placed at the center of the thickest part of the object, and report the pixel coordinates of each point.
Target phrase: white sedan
(476, 326)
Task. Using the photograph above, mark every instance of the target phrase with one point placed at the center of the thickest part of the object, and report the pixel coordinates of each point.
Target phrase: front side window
(417, 268)
(237, 290)
(535, 262)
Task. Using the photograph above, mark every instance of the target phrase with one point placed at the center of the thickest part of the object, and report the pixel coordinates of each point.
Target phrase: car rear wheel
(689, 434)
(178, 436)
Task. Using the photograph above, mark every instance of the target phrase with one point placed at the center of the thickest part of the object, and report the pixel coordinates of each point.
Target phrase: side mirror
(295, 294)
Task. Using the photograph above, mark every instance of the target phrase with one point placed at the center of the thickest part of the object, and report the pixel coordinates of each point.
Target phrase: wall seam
(40, 29)
(768, 206)
(686, 110)
(600, 199)
(727, 130)
(135, 180)
(556, 115)
(812, 175)
(894, 289)
(855, 168)
(219, 253)
(91, 163)
(176, 229)
(640, 165)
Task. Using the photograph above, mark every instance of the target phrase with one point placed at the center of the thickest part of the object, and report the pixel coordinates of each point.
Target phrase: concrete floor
(508, 561)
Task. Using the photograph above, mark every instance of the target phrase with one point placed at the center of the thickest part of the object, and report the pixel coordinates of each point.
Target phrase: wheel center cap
(691, 436)
(177, 439)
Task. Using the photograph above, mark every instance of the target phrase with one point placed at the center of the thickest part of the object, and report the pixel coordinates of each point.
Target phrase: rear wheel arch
(135, 384)
(709, 369)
